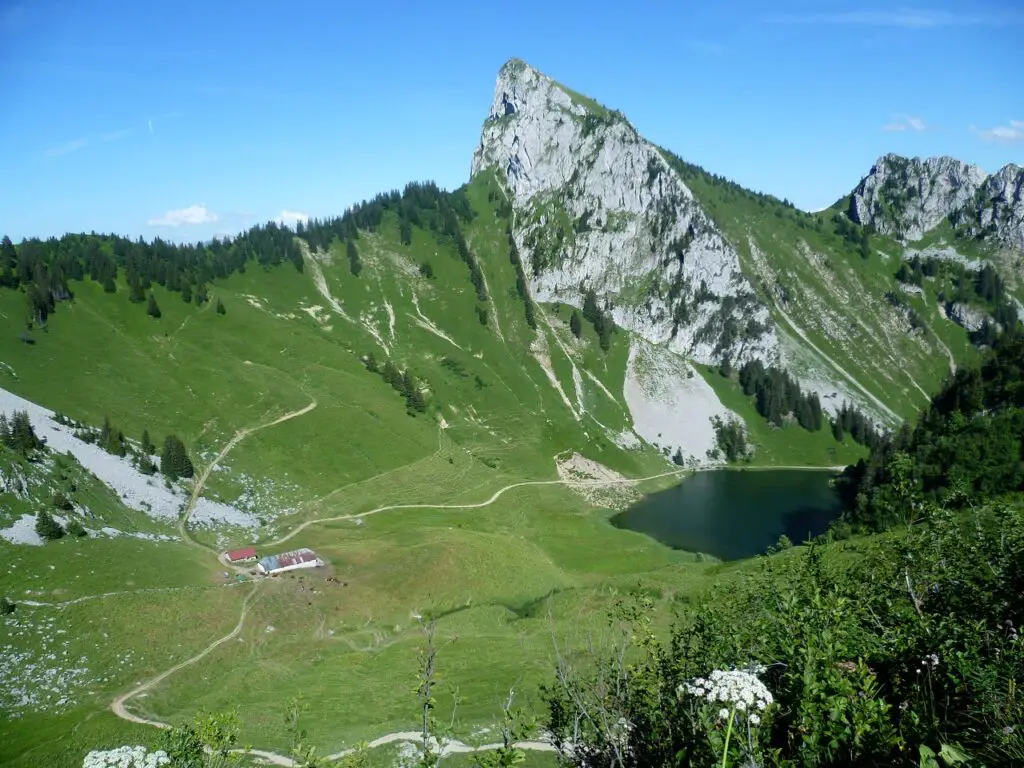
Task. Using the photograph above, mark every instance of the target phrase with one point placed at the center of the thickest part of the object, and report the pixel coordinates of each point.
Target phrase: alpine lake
(732, 514)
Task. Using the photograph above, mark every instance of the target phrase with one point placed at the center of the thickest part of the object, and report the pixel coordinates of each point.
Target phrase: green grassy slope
(819, 285)
(279, 347)
(540, 563)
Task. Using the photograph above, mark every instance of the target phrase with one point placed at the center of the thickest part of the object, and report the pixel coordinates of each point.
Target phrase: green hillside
(384, 388)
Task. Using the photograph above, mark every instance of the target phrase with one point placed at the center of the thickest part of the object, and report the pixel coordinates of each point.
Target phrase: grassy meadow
(507, 581)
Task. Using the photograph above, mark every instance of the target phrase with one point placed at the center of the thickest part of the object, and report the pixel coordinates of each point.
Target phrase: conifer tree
(48, 528)
(174, 460)
(186, 292)
(153, 309)
(147, 444)
(220, 307)
(200, 295)
(354, 264)
(575, 325)
(23, 437)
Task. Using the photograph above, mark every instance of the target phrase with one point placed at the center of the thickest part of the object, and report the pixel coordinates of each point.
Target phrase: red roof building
(243, 555)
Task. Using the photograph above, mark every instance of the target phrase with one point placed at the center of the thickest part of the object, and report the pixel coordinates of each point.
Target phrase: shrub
(48, 528)
(6, 606)
(75, 528)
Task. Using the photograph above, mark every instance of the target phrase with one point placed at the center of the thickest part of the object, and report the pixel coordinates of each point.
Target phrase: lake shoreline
(733, 513)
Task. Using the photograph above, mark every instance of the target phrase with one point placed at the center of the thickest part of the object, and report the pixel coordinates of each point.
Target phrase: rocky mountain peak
(598, 208)
(906, 197)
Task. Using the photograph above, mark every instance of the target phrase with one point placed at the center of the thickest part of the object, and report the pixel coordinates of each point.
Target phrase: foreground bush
(904, 652)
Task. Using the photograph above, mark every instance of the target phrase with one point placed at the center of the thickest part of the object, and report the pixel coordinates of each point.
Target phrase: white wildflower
(736, 689)
(723, 713)
(126, 757)
(754, 719)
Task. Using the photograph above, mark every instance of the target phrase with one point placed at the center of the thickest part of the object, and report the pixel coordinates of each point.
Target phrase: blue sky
(190, 119)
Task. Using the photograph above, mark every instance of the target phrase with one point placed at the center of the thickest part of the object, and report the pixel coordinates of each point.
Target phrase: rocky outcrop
(998, 208)
(598, 208)
(907, 198)
(969, 318)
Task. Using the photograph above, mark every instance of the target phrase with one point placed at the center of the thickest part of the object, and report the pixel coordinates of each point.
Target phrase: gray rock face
(598, 208)
(968, 317)
(907, 198)
(1000, 206)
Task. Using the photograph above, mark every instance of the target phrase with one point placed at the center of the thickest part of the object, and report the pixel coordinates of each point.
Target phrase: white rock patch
(22, 531)
(670, 403)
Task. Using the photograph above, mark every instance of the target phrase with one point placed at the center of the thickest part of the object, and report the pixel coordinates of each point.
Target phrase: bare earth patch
(599, 485)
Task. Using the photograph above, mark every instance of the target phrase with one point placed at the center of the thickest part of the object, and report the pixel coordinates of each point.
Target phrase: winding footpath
(119, 705)
(200, 483)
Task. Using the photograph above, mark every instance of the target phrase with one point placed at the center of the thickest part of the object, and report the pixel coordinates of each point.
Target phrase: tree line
(44, 269)
(777, 395)
(17, 433)
(602, 321)
(965, 447)
(402, 382)
(522, 287)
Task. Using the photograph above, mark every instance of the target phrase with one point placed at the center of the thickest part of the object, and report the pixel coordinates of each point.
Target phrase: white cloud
(906, 123)
(117, 135)
(291, 218)
(194, 214)
(68, 148)
(1003, 134)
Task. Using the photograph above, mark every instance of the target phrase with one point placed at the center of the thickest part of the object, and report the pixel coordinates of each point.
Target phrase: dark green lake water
(733, 514)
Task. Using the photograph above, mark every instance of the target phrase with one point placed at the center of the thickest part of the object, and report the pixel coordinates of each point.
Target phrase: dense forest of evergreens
(977, 287)
(46, 269)
(966, 447)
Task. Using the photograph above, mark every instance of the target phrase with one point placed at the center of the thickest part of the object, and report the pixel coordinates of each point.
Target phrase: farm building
(243, 555)
(289, 561)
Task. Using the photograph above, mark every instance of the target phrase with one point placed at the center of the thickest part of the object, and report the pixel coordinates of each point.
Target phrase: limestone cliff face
(597, 208)
(998, 208)
(906, 198)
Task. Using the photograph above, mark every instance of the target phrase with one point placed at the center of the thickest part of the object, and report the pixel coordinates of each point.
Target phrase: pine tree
(174, 460)
(153, 309)
(390, 373)
(147, 445)
(145, 465)
(186, 292)
(837, 430)
(371, 363)
(725, 369)
(220, 307)
(48, 528)
(5, 431)
(23, 437)
(575, 325)
(200, 296)
(354, 264)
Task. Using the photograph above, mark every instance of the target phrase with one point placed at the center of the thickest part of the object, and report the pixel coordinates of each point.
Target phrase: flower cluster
(929, 662)
(738, 690)
(126, 757)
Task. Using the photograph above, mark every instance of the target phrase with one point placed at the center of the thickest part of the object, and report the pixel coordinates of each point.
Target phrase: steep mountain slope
(701, 267)
(598, 208)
